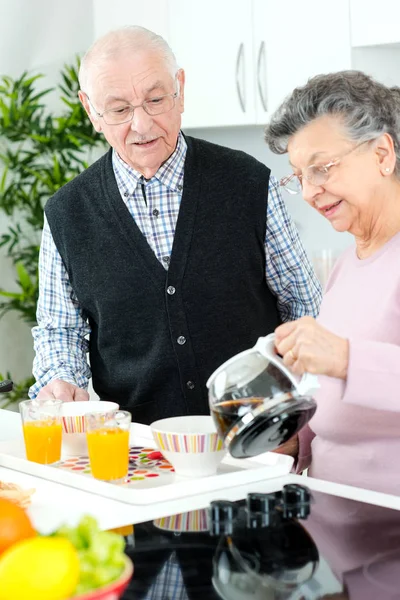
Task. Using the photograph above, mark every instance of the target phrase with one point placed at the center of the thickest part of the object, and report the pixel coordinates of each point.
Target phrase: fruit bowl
(113, 590)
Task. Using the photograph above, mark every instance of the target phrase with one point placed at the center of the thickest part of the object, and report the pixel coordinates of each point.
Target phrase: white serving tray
(157, 488)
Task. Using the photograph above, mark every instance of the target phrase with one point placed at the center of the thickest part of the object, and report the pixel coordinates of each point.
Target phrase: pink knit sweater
(354, 437)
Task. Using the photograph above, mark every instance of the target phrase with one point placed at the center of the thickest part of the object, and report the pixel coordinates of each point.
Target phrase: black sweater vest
(152, 350)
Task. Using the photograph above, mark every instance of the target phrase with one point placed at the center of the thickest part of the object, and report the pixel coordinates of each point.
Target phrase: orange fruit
(15, 525)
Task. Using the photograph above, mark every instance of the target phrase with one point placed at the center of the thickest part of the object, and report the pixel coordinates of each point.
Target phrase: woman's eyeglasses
(314, 174)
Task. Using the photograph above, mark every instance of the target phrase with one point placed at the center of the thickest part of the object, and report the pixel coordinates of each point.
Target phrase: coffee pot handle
(304, 384)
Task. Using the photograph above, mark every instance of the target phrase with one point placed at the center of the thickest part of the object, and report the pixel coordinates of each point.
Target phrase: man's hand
(61, 390)
(306, 346)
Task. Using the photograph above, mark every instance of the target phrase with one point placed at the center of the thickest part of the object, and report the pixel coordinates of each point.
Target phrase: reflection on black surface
(361, 543)
(247, 562)
(270, 562)
(171, 566)
(169, 581)
(272, 556)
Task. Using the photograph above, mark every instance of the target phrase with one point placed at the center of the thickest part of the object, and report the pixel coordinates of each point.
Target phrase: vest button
(181, 340)
(171, 290)
(166, 260)
(190, 385)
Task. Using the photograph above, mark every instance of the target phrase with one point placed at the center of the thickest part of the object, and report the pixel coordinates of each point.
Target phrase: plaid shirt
(169, 584)
(60, 338)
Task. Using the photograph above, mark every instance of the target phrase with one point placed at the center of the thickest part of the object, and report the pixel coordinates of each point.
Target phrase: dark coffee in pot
(227, 413)
(268, 428)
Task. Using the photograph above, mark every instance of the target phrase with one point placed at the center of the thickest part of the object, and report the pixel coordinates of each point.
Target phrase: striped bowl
(190, 443)
(73, 413)
(73, 423)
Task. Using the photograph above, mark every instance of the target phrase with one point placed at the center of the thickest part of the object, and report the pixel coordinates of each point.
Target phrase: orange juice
(125, 530)
(42, 441)
(108, 452)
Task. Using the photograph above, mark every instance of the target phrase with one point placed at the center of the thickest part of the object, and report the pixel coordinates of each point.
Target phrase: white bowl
(73, 422)
(190, 443)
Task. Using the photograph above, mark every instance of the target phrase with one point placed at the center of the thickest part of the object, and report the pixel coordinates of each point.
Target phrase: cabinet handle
(260, 58)
(239, 59)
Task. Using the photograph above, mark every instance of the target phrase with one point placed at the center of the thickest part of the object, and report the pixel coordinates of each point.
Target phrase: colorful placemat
(142, 465)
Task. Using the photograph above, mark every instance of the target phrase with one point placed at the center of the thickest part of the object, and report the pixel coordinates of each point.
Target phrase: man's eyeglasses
(124, 113)
(314, 174)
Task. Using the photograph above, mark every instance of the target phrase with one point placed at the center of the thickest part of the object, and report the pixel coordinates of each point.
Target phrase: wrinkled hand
(306, 346)
(62, 390)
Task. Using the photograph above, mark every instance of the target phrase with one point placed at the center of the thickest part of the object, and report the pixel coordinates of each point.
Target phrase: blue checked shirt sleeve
(169, 584)
(290, 275)
(60, 337)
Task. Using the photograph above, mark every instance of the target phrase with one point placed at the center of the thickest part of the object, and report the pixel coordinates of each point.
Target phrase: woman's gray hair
(366, 108)
(132, 38)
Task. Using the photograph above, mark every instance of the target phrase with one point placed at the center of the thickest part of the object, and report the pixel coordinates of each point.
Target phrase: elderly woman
(342, 134)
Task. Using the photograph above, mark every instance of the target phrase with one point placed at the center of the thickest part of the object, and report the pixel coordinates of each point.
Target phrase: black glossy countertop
(293, 544)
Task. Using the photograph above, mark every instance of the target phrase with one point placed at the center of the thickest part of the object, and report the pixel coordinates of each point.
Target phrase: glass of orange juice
(41, 425)
(107, 435)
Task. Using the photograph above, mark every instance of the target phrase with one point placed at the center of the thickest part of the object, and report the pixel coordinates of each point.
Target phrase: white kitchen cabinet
(120, 13)
(212, 41)
(294, 41)
(242, 57)
(374, 24)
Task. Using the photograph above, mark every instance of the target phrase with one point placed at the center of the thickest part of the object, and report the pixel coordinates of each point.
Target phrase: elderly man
(171, 253)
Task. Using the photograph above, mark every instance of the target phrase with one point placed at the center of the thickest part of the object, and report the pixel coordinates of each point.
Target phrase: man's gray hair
(366, 108)
(132, 38)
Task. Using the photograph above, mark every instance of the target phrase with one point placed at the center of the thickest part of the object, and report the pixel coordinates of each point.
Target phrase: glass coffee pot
(257, 403)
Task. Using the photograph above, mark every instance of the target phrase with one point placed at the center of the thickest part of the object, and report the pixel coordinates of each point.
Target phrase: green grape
(104, 545)
(105, 575)
(87, 528)
(86, 565)
(72, 534)
(83, 587)
(101, 553)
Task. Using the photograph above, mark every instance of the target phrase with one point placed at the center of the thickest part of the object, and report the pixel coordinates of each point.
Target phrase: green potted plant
(40, 150)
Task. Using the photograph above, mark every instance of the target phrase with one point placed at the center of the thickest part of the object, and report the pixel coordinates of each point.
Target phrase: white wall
(39, 36)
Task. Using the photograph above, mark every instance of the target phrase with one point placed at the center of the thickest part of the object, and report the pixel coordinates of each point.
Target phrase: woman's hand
(306, 346)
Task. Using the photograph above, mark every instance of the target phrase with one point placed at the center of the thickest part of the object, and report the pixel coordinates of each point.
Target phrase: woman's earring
(387, 169)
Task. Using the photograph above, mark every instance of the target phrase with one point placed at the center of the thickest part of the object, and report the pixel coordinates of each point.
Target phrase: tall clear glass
(323, 262)
(41, 425)
(107, 435)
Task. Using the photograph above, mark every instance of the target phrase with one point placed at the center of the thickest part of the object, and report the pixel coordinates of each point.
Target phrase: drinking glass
(41, 425)
(323, 262)
(107, 435)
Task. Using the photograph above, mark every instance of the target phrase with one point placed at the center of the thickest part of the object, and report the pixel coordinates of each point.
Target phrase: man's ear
(89, 111)
(181, 80)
